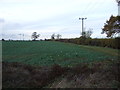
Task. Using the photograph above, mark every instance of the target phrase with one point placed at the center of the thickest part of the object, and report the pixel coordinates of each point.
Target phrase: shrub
(3, 39)
(111, 43)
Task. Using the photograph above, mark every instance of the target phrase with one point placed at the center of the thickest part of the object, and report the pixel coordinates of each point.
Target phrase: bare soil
(103, 74)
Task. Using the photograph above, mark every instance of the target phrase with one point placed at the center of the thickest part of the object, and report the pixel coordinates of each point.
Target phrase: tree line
(111, 28)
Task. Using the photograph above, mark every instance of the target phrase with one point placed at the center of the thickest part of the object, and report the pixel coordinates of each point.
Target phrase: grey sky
(53, 16)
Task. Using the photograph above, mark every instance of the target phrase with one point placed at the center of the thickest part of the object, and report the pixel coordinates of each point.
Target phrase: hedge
(111, 43)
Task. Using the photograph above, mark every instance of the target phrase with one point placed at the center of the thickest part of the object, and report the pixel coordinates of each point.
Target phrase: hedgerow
(111, 43)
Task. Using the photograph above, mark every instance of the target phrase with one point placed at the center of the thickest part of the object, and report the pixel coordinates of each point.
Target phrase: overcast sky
(53, 16)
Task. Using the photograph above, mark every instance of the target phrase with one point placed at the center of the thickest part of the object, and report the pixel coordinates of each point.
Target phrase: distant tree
(34, 36)
(41, 40)
(45, 39)
(58, 36)
(3, 39)
(112, 26)
(53, 36)
(88, 33)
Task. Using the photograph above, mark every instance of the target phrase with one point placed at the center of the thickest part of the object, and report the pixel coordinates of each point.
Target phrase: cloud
(10, 26)
(49, 16)
(2, 20)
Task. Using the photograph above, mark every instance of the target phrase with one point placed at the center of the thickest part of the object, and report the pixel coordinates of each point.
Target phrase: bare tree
(88, 33)
(58, 36)
(53, 36)
(34, 36)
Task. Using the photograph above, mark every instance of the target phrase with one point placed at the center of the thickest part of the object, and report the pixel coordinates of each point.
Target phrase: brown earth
(94, 75)
(17, 75)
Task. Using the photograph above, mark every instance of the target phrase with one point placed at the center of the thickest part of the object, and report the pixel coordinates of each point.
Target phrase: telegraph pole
(118, 1)
(118, 22)
(82, 24)
(20, 36)
(23, 37)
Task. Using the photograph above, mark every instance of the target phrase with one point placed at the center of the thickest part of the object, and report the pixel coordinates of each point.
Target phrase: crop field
(47, 53)
(51, 64)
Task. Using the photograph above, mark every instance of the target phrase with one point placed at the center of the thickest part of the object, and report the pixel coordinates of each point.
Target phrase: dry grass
(17, 75)
(94, 75)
